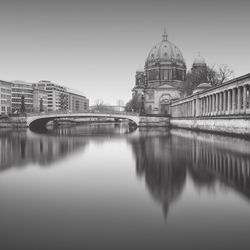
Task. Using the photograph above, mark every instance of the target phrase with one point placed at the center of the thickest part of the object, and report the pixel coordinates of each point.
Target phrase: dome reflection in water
(110, 187)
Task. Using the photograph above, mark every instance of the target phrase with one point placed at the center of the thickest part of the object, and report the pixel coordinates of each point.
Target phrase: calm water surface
(108, 187)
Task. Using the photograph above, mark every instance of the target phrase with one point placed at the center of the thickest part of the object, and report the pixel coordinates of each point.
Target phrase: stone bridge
(39, 120)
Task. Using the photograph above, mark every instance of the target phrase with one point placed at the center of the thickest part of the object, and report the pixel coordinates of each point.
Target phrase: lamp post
(142, 110)
(144, 87)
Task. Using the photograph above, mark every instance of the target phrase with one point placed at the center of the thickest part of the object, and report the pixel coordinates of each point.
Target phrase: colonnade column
(205, 110)
(224, 103)
(211, 104)
(233, 101)
(208, 105)
(198, 101)
(220, 104)
(201, 109)
(239, 100)
(244, 98)
(216, 104)
(212, 113)
(229, 101)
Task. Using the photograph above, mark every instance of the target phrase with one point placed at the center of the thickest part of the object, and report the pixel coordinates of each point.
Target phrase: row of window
(19, 100)
(23, 88)
(3, 96)
(166, 74)
(5, 102)
(20, 95)
(3, 90)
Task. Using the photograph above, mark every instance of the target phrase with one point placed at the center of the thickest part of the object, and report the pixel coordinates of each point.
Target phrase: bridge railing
(65, 112)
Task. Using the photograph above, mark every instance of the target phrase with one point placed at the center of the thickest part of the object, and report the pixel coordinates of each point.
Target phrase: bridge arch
(35, 122)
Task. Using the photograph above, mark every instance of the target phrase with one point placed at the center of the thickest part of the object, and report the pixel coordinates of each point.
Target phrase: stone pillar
(224, 103)
(244, 98)
(216, 104)
(219, 103)
(194, 107)
(201, 110)
(198, 106)
(229, 106)
(212, 113)
(213, 103)
(239, 99)
(233, 101)
(204, 106)
(210, 105)
(207, 105)
(248, 99)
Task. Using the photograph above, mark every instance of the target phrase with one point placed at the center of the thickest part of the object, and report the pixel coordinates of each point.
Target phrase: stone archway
(165, 103)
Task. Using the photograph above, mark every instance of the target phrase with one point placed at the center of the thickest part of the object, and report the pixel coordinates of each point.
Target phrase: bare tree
(224, 73)
(134, 104)
(100, 106)
(210, 74)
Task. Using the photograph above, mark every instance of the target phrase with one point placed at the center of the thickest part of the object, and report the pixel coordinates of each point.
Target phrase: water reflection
(162, 157)
(165, 161)
(21, 147)
(111, 177)
(158, 161)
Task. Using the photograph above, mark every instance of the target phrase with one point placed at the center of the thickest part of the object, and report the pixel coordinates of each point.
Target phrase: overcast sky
(96, 46)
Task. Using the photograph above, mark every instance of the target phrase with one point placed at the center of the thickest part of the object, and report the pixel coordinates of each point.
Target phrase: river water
(105, 186)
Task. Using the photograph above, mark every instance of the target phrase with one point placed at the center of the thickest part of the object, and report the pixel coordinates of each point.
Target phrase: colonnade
(232, 98)
(184, 109)
(232, 101)
(232, 168)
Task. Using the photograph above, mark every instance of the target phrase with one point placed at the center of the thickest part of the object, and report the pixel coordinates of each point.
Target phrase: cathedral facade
(164, 73)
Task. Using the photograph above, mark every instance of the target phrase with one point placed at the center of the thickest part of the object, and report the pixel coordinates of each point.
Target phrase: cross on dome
(165, 35)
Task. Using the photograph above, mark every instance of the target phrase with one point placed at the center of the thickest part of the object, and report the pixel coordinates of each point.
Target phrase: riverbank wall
(154, 121)
(13, 122)
(228, 125)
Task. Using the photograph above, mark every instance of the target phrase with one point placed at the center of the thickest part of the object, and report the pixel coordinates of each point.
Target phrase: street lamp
(142, 110)
(144, 87)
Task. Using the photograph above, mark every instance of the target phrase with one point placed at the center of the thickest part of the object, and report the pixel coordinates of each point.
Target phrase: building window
(166, 75)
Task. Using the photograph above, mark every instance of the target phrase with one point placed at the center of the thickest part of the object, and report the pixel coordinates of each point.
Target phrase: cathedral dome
(165, 52)
(199, 61)
(165, 63)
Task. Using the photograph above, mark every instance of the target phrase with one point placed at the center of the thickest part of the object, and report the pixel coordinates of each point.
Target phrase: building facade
(165, 70)
(61, 98)
(5, 97)
(56, 95)
(22, 97)
(76, 101)
(40, 99)
(164, 74)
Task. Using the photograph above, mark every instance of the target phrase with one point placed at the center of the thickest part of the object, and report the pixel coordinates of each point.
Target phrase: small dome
(204, 85)
(201, 87)
(165, 52)
(199, 60)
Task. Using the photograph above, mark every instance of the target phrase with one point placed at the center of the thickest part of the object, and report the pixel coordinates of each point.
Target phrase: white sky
(96, 46)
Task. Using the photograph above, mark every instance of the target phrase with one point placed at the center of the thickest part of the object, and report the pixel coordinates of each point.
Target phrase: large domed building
(163, 76)
(164, 71)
